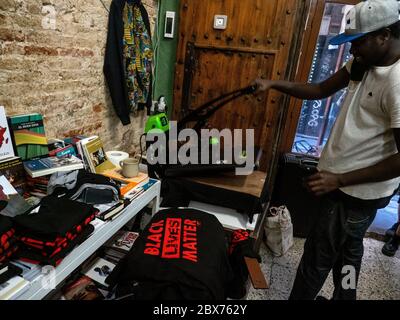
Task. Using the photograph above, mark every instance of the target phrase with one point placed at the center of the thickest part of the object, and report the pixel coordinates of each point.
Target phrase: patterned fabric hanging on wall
(128, 58)
(138, 54)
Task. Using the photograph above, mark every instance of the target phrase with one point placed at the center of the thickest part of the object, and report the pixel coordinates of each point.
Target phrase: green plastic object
(214, 141)
(157, 121)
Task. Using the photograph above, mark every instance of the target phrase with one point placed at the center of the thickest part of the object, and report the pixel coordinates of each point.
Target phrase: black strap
(357, 71)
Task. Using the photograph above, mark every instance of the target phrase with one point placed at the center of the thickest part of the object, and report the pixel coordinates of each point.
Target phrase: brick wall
(51, 61)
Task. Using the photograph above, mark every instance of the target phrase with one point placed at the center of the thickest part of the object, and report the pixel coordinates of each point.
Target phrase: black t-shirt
(181, 254)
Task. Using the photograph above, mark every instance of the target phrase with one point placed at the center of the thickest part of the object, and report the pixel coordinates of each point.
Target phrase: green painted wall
(165, 54)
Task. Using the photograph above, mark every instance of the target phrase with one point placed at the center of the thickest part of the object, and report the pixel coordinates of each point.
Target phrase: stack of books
(13, 169)
(83, 288)
(37, 187)
(135, 192)
(49, 165)
(120, 245)
(127, 183)
(10, 164)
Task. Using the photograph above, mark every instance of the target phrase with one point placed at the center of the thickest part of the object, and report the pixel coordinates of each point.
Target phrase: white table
(81, 253)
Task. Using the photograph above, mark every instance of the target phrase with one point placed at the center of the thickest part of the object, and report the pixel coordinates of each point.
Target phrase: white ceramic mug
(130, 167)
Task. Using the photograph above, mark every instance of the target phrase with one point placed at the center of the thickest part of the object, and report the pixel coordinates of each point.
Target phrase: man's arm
(309, 91)
(324, 182)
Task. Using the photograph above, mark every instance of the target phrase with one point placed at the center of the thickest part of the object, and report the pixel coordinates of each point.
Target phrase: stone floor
(379, 278)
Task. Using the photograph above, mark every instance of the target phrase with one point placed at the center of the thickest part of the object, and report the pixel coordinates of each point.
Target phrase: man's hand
(263, 85)
(323, 182)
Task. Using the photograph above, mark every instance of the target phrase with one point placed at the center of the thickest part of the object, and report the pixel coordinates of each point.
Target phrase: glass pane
(317, 116)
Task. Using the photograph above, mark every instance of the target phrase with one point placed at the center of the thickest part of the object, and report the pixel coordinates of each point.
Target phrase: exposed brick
(73, 132)
(8, 5)
(75, 52)
(13, 48)
(11, 35)
(6, 102)
(34, 8)
(59, 73)
(3, 19)
(98, 108)
(30, 50)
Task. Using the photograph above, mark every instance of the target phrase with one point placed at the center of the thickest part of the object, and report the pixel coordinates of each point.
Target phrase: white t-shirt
(362, 134)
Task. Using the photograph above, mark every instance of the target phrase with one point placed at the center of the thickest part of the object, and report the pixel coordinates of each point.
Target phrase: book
(82, 289)
(109, 213)
(8, 271)
(99, 270)
(14, 203)
(139, 189)
(114, 255)
(6, 145)
(134, 193)
(29, 136)
(13, 288)
(97, 158)
(14, 171)
(37, 186)
(74, 141)
(123, 241)
(81, 152)
(49, 165)
(58, 148)
(29, 270)
(116, 174)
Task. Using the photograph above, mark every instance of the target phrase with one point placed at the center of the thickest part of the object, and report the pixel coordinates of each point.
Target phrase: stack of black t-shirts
(48, 235)
(8, 241)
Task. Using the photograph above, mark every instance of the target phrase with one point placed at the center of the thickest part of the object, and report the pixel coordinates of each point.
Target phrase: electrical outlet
(220, 21)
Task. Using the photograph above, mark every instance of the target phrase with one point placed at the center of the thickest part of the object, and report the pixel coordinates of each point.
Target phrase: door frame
(306, 54)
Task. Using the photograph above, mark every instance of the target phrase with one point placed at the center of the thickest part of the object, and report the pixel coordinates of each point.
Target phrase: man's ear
(386, 34)
(383, 37)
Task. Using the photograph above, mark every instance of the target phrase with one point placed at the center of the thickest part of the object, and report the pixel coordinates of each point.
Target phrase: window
(318, 116)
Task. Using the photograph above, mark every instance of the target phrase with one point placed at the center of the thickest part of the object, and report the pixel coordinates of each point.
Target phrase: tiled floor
(379, 278)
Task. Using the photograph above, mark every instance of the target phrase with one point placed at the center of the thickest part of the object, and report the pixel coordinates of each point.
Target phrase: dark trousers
(336, 241)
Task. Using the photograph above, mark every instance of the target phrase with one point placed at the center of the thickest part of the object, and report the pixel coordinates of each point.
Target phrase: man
(359, 168)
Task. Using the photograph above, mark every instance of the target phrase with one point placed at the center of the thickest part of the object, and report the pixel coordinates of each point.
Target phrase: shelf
(39, 288)
(229, 218)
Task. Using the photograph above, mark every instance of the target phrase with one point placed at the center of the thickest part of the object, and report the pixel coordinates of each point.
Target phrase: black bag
(92, 189)
(289, 190)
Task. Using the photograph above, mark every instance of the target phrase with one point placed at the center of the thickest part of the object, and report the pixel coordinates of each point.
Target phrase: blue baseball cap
(366, 17)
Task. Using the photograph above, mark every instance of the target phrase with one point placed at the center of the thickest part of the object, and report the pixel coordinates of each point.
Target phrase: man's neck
(392, 55)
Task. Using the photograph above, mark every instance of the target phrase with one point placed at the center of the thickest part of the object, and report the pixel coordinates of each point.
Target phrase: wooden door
(259, 41)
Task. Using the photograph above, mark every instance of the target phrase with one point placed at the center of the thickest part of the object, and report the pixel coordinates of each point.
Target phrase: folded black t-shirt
(5, 224)
(35, 256)
(56, 216)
